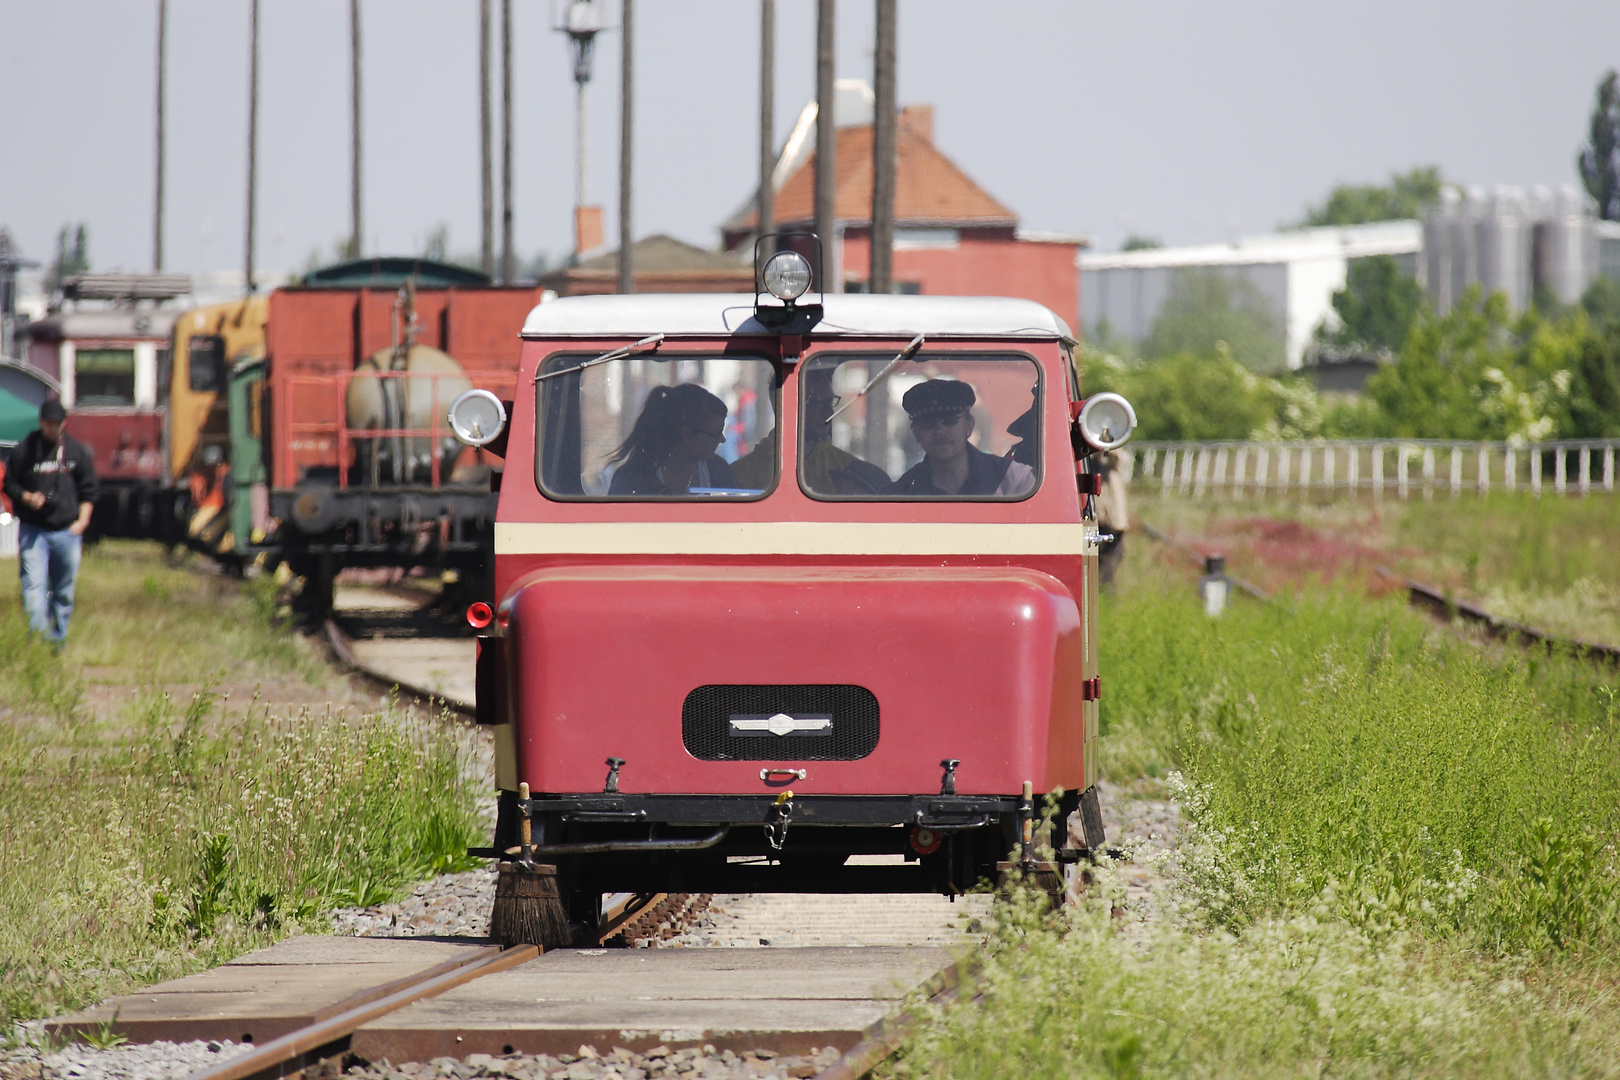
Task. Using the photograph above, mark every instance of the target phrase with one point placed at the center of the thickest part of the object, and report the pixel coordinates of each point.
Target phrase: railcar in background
(110, 365)
(212, 460)
(359, 465)
(307, 425)
(757, 648)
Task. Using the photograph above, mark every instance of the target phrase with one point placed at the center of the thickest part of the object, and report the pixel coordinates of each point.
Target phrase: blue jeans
(49, 566)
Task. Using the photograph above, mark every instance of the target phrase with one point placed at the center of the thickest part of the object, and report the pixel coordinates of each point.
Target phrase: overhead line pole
(881, 278)
(767, 118)
(157, 215)
(506, 142)
(826, 149)
(253, 141)
(355, 234)
(627, 267)
(486, 152)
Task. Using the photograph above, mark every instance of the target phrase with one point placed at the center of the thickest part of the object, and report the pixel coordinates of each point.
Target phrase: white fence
(1399, 467)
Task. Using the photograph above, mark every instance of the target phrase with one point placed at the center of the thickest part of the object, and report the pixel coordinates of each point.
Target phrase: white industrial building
(1296, 272)
(1505, 240)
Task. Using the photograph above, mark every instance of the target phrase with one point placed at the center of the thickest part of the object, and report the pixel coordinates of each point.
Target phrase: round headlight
(787, 275)
(477, 417)
(1106, 421)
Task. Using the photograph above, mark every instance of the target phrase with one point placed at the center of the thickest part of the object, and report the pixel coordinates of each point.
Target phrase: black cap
(938, 397)
(52, 410)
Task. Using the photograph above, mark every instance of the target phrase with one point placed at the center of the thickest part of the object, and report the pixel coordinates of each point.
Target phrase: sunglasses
(931, 422)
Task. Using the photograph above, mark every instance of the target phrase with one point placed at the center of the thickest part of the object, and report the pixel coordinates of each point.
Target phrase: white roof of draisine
(846, 315)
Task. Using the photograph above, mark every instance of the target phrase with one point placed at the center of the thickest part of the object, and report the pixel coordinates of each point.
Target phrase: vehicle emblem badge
(781, 724)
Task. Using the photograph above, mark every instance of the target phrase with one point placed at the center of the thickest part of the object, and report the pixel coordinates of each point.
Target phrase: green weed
(1329, 742)
(183, 831)
(1397, 860)
(1306, 995)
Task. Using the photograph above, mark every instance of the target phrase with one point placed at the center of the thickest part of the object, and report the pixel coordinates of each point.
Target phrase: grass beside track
(1398, 859)
(1548, 562)
(172, 834)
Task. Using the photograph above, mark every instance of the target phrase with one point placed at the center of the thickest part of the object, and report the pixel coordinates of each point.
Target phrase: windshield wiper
(620, 353)
(905, 354)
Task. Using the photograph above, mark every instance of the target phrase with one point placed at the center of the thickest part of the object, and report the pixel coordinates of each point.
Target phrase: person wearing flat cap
(941, 412)
(51, 482)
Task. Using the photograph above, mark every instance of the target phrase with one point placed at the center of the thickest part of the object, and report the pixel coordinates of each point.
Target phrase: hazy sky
(1184, 119)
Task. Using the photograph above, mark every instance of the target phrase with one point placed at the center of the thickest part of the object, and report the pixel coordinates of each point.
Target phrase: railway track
(400, 638)
(1443, 606)
(625, 1012)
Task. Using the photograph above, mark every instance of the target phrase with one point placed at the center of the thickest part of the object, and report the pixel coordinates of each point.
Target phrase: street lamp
(582, 21)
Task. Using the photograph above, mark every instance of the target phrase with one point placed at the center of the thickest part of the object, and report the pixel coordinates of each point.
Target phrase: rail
(1380, 467)
(315, 1041)
(342, 648)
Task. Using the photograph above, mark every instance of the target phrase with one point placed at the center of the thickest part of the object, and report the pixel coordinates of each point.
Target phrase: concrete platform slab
(788, 1000)
(270, 992)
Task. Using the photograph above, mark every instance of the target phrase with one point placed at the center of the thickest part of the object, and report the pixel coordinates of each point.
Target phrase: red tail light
(479, 615)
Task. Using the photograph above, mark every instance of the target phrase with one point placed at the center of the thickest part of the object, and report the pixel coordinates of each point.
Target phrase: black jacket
(985, 472)
(65, 471)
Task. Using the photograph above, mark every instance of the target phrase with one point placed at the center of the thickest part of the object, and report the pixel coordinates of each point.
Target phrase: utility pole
(157, 215)
(767, 119)
(506, 142)
(826, 150)
(627, 262)
(881, 277)
(355, 247)
(253, 139)
(486, 166)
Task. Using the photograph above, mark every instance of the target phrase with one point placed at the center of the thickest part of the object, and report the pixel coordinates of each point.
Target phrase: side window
(104, 376)
(953, 426)
(662, 427)
(207, 363)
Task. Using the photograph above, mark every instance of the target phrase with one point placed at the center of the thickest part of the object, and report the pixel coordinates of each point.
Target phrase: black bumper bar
(942, 812)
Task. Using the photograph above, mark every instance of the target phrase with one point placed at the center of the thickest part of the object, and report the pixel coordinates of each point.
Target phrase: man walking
(51, 482)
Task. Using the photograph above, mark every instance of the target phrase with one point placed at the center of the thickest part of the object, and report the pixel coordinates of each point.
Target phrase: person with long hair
(671, 450)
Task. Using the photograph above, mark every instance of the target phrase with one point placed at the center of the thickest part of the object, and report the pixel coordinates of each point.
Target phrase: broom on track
(528, 906)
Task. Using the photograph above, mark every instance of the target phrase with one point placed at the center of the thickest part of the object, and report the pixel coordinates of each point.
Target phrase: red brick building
(952, 238)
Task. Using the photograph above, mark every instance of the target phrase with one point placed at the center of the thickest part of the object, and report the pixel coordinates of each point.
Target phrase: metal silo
(1566, 248)
(1502, 245)
(1439, 226)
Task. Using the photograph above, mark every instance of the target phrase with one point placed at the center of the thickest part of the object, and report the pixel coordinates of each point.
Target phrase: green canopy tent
(17, 417)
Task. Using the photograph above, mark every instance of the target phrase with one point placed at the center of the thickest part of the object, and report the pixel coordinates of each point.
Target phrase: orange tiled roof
(929, 187)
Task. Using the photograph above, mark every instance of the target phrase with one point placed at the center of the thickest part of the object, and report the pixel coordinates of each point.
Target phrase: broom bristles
(528, 909)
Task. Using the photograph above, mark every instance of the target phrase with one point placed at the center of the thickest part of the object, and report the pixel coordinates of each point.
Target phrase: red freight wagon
(781, 584)
(362, 469)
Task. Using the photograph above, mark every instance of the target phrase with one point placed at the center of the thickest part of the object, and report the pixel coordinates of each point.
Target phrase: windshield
(940, 426)
(656, 427)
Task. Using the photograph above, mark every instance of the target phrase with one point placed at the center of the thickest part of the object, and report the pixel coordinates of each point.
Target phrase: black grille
(709, 733)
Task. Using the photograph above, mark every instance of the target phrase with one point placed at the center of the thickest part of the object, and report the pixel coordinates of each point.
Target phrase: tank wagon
(308, 425)
(782, 587)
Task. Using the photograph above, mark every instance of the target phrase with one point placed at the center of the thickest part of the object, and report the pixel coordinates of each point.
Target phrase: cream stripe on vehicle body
(789, 538)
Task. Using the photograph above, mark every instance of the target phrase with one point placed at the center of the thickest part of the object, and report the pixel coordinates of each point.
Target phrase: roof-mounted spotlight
(787, 275)
(786, 267)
